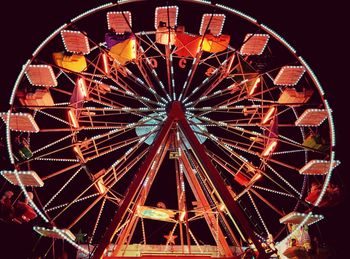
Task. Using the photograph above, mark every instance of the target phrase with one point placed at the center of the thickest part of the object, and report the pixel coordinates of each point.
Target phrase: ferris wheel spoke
(128, 95)
(253, 137)
(170, 72)
(53, 117)
(125, 88)
(151, 45)
(87, 197)
(268, 203)
(62, 188)
(282, 178)
(145, 86)
(128, 89)
(250, 170)
(220, 61)
(243, 161)
(119, 173)
(97, 222)
(218, 75)
(190, 75)
(153, 72)
(258, 212)
(53, 143)
(118, 169)
(74, 200)
(146, 77)
(269, 190)
(57, 151)
(97, 151)
(237, 97)
(195, 63)
(114, 132)
(82, 214)
(59, 172)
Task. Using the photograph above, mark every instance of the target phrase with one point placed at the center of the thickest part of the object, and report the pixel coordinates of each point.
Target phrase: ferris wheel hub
(177, 106)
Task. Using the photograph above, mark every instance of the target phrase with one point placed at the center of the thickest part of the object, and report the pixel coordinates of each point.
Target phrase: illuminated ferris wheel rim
(222, 7)
(208, 3)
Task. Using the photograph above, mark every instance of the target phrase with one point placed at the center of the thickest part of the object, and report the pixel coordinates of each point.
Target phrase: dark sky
(317, 29)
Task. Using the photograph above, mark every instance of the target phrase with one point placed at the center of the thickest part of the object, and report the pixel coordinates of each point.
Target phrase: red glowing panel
(297, 217)
(289, 75)
(311, 117)
(213, 23)
(41, 75)
(27, 178)
(21, 122)
(254, 44)
(120, 22)
(75, 41)
(165, 15)
(241, 179)
(318, 167)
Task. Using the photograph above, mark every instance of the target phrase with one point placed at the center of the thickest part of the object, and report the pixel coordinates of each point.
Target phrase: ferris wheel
(171, 131)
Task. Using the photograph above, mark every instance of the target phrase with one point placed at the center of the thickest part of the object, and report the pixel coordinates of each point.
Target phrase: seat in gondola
(76, 63)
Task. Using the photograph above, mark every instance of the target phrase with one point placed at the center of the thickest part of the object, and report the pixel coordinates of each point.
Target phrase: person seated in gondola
(23, 212)
(331, 198)
(112, 38)
(6, 209)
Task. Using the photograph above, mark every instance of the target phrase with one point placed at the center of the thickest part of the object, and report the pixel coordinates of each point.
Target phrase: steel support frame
(176, 114)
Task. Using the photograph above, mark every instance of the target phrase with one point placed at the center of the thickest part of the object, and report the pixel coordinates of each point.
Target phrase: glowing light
(222, 207)
(255, 85)
(270, 148)
(101, 186)
(257, 176)
(230, 63)
(73, 119)
(82, 87)
(105, 63)
(78, 152)
(268, 115)
(182, 216)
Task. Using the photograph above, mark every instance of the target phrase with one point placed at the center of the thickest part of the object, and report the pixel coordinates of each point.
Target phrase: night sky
(316, 29)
